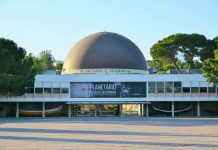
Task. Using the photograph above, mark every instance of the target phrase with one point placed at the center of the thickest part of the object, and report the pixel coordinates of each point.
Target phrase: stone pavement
(108, 133)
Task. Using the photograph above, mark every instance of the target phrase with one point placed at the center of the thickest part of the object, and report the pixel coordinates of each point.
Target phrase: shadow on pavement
(107, 142)
(118, 120)
(27, 130)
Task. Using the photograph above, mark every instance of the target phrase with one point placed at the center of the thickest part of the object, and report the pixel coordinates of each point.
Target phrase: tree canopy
(18, 69)
(43, 62)
(182, 51)
(210, 69)
(15, 69)
(165, 52)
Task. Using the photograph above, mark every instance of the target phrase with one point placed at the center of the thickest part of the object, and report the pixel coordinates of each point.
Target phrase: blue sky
(58, 25)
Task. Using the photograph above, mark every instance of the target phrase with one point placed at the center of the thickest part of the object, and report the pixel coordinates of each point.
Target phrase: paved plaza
(108, 133)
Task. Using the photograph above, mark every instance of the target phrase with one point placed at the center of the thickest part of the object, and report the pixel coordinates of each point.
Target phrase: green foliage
(165, 68)
(208, 51)
(59, 66)
(46, 60)
(191, 46)
(216, 53)
(18, 70)
(11, 56)
(37, 65)
(15, 69)
(165, 52)
(215, 40)
(152, 63)
(181, 51)
(210, 69)
(43, 62)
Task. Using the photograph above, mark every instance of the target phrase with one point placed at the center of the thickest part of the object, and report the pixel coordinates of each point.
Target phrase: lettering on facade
(103, 87)
(110, 71)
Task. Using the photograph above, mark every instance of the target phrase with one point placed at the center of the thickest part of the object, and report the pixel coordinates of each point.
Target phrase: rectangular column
(121, 112)
(147, 110)
(173, 109)
(17, 110)
(43, 109)
(142, 110)
(198, 109)
(69, 110)
(96, 110)
(72, 110)
(139, 110)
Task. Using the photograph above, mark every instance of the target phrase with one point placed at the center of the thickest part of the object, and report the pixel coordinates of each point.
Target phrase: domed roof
(104, 50)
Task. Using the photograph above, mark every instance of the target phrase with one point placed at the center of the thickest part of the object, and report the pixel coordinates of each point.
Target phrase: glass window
(203, 89)
(194, 89)
(169, 87)
(151, 90)
(160, 87)
(64, 90)
(38, 90)
(56, 90)
(130, 107)
(109, 107)
(151, 84)
(186, 89)
(160, 84)
(177, 84)
(177, 90)
(47, 90)
(152, 87)
(177, 87)
(168, 84)
(160, 90)
(169, 90)
(212, 90)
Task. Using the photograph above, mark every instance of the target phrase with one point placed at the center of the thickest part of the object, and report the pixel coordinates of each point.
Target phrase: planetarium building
(105, 74)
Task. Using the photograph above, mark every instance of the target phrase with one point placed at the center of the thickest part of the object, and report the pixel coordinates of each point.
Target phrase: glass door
(130, 109)
(84, 110)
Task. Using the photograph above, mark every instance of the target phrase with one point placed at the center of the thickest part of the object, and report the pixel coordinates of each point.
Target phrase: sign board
(107, 89)
(107, 71)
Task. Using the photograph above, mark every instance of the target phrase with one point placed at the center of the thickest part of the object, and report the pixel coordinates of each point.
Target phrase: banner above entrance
(107, 89)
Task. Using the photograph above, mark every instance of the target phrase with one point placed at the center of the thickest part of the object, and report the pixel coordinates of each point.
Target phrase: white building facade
(111, 86)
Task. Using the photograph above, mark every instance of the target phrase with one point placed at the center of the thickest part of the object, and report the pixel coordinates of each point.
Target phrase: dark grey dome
(104, 50)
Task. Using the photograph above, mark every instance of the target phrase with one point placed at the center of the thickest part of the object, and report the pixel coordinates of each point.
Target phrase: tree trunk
(189, 69)
(190, 62)
(177, 69)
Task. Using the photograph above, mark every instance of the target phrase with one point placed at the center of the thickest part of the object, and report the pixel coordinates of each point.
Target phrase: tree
(46, 59)
(191, 46)
(59, 66)
(165, 51)
(208, 51)
(11, 56)
(43, 62)
(15, 70)
(210, 69)
(179, 51)
(165, 68)
(215, 40)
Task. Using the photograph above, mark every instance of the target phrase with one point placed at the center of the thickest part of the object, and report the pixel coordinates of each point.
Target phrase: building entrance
(131, 110)
(95, 110)
(106, 110)
(84, 110)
